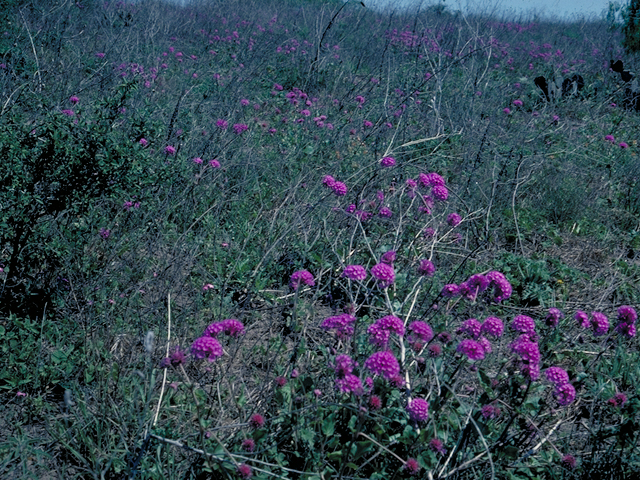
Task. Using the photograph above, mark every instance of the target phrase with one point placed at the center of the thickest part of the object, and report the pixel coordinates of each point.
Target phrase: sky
(565, 9)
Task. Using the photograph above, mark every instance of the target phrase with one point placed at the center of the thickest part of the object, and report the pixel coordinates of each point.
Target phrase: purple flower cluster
(339, 189)
(524, 324)
(301, 277)
(387, 162)
(177, 358)
(381, 330)
(490, 411)
(583, 319)
(342, 324)
(384, 364)
(492, 326)
(553, 317)
(471, 327)
(420, 331)
(472, 349)
(502, 287)
(418, 409)
(350, 384)
(355, 272)
(206, 347)
(599, 324)
(388, 257)
(384, 274)
(454, 219)
(618, 400)
(529, 353)
(565, 394)
(557, 375)
(230, 326)
(627, 317)
(426, 268)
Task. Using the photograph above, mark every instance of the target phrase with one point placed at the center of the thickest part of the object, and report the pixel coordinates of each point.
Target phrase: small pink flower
(214, 163)
(387, 162)
(507, 111)
(143, 142)
(197, 160)
(73, 99)
(170, 150)
(623, 145)
(301, 277)
(256, 420)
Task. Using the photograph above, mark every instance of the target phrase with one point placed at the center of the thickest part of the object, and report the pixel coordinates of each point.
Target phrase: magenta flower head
(431, 180)
(557, 375)
(582, 318)
(610, 138)
(440, 193)
(411, 466)
(384, 274)
(73, 99)
(344, 365)
(599, 324)
(623, 145)
(105, 233)
(387, 162)
(355, 272)
(472, 349)
(627, 329)
(486, 345)
(301, 277)
(388, 257)
(385, 212)
(507, 111)
(420, 330)
(328, 181)
(502, 287)
(418, 409)
(248, 444)
(569, 461)
(256, 421)
(143, 142)
(342, 324)
(436, 445)
(618, 400)
(245, 471)
(232, 327)
(350, 384)
(222, 124)
(339, 189)
(627, 314)
(523, 324)
(450, 290)
(380, 331)
(492, 326)
(553, 317)
(384, 364)
(471, 327)
(426, 268)
(454, 219)
(214, 163)
(565, 394)
(178, 357)
(240, 128)
(206, 347)
(517, 103)
(170, 150)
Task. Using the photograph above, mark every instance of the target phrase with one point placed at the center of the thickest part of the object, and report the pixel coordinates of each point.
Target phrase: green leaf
(329, 425)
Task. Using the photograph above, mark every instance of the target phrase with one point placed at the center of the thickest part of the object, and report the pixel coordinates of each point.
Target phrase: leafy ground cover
(308, 239)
